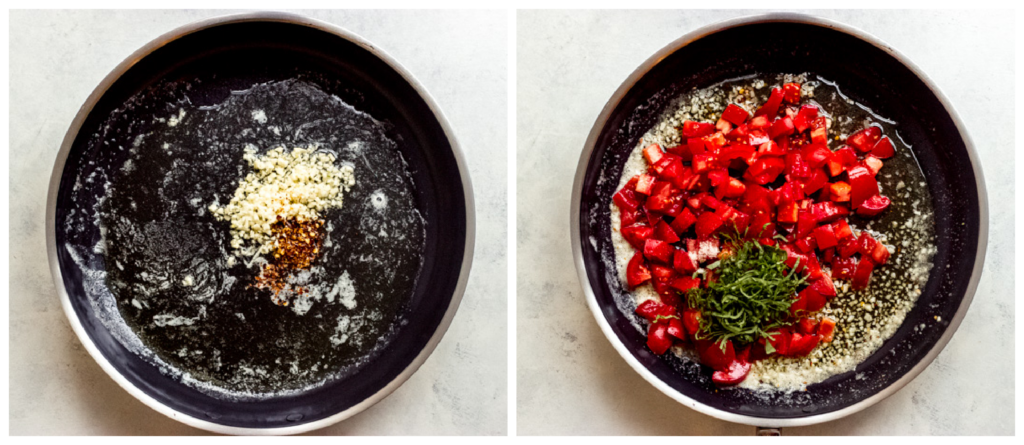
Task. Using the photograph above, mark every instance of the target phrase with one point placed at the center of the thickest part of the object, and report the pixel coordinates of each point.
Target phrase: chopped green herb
(750, 297)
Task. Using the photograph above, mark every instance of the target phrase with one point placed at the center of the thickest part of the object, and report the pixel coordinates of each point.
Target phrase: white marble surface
(57, 58)
(571, 381)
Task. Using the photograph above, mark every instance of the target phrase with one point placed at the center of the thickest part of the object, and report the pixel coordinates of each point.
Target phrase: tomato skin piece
(771, 106)
(657, 338)
(864, 140)
(652, 309)
(637, 272)
(873, 206)
(862, 276)
(735, 373)
(735, 114)
(883, 148)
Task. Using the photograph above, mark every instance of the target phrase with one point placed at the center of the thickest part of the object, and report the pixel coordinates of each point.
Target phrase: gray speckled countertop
(58, 57)
(570, 379)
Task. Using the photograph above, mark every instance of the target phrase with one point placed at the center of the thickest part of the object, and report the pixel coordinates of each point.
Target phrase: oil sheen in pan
(181, 304)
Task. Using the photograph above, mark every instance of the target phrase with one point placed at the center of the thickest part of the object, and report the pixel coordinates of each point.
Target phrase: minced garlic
(300, 184)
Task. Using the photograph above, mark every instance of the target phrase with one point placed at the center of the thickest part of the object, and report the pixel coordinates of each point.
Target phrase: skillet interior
(866, 74)
(236, 56)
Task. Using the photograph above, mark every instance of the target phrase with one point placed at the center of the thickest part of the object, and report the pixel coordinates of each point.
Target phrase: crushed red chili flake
(297, 244)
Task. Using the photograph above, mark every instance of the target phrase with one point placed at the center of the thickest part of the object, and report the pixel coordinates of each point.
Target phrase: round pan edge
(577, 248)
(123, 67)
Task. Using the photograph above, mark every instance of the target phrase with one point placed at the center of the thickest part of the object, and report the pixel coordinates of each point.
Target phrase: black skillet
(869, 72)
(234, 53)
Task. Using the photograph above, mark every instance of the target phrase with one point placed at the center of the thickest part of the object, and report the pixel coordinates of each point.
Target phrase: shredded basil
(751, 295)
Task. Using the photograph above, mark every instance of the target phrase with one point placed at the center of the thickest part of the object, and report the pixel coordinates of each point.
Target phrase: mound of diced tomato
(759, 177)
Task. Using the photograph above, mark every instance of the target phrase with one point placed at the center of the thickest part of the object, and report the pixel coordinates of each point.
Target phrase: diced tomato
(658, 339)
(637, 272)
(846, 156)
(825, 212)
(710, 202)
(873, 206)
(873, 164)
(676, 329)
(761, 226)
(658, 250)
(817, 180)
(661, 273)
(683, 222)
(735, 114)
(847, 247)
(864, 140)
(807, 326)
(813, 301)
(805, 223)
(826, 329)
(683, 284)
(637, 234)
(781, 127)
(757, 137)
(843, 268)
(669, 167)
(862, 276)
(703, 249)
(626, 199)
(707, 223)
(801, 345)
(663, 196)
(654, 218)
(652, 309)
(644, 184)
(733, 188)
(718, 176)
(723, 126)
(714, 355)
(682, 262)
(696, 146)
(691, 321)
(883, 149)
(788, 213)
(880, 254)
(839, 191)
(819, 130)
(765, 170)
(667, 295)
(702, 163)
(779, 340)
(665, 233)
(770, 148)
(805, 245)
(693, 129)
(628, 217)
(816, 154)
(841, 229)
(759, 122)
(866, 243)
(824, 286)
(733, 218)
(803, 118)
(835, 167)
(771, 106)
(653, 154)
(791, 93)
(681, 150)
(825, 236)
(735, 373)
(735, 151)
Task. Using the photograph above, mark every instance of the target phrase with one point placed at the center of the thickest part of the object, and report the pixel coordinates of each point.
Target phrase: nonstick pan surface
(869, 72)
(206, 64)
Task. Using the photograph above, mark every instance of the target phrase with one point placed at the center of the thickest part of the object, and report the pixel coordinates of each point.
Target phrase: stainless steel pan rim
(577, 248)
(69, 138)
